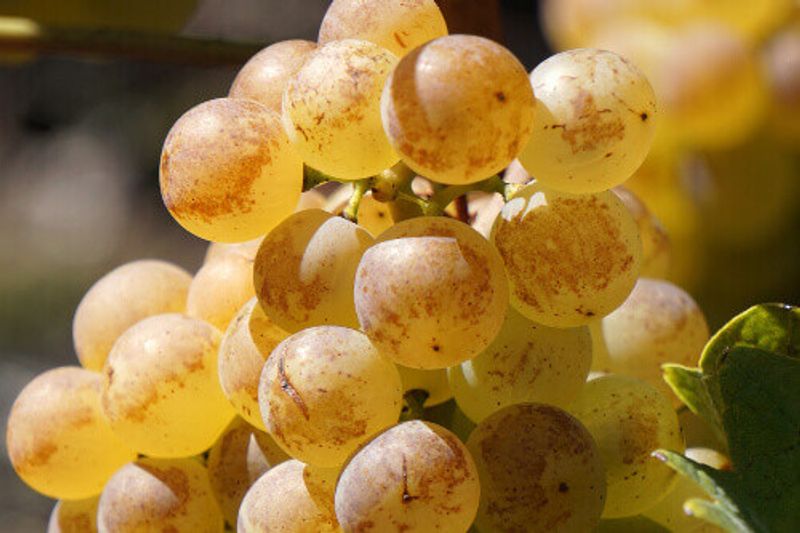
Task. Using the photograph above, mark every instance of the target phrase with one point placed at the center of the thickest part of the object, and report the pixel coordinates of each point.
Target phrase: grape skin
(74, 516)
(57, 438)
(118, 300)
(656, 246)
(415, 476)
(433, 382)
(219, 289)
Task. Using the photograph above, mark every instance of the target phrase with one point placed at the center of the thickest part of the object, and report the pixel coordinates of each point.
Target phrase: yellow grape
(311, 199)
(331, 109)
(374, 216)
(569, 258)
(219, 289)
(416, 476)
(159, 495)
(74, 516)
(595, 116)
(485, 209)
(752, 20)
(540, 470)
(659, 323)
(247, 250)
(239, 457)
(228, 171)
(782, 67)
(458, 109)
(431, 293)
(526, 362)
(326, 390)
(305, 268)
(58, 440)
(265, 76)
(247, 343)
(120, 299)
(629, 420)
(283, 500)
(397, 26)
(161, 392)
(433, 382)
(656, 247)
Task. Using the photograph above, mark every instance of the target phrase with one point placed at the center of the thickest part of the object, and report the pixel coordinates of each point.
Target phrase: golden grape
(656, 246)
(74, 516)
(433, 382)
(219, 289)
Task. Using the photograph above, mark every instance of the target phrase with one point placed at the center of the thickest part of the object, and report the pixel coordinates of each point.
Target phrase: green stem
(313, 177)
(445, 196)
(360, 188)
(415, 405)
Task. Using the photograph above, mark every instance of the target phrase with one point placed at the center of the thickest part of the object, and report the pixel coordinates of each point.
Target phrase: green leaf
(689, 387)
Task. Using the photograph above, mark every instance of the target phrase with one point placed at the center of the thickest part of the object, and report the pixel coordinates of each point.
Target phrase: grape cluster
(283, 386)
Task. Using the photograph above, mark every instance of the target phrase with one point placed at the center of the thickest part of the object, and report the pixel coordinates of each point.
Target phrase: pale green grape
(433, 382)
(569, 258)
(458, 109)
(331, 109)
(595, 115)
(432, 293)
(397, 26)
(326, 390)
(539, 470)
(228, 171)
(122, 298)
(74, 516)
(247, 343)
(159, 495)
(219, 289)
(526, 362)
(656, 247)
(282, 500)
(416, 476)
(161, 392)
(629, 420)
(658, 323)
(239, 457)
(57, 438)
(305, 269)
(265, 76)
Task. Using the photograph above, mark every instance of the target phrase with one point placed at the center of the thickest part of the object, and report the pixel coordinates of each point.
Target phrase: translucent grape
(416, 476)
(305, 269)
(539, 470)
(58, 440)
(433, 382)
(569, 258)
(486, 209)
(397, 26)
(219, 289)
(595, 118)
(311, 199)
(526, 362)
(247, 249)
(228, 171)
(331, 109)
(238, 458)
(374, 216)
(629, 420)
(658, 323)
(326, 390)
(431, 301)
(247, 343)
(281, 500)
(120, 299)
(656, 247)
(159, 495)
(161, 392)
(458, 109)
(74, 516)
(265, 76)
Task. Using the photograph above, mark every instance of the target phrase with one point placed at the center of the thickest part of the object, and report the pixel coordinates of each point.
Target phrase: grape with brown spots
(74, 516)
(220, 288)
(656, 246)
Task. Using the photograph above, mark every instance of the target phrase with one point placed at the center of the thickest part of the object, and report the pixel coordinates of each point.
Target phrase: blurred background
(81, 134)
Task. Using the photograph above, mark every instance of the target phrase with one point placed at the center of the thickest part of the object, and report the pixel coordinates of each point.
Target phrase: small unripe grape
(219, 289)
(74, 516)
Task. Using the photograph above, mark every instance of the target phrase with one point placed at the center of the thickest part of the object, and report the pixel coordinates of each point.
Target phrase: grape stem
(415, 405)
(360, 188)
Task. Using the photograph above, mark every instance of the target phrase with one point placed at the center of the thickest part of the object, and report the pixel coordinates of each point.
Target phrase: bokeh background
(80, 139)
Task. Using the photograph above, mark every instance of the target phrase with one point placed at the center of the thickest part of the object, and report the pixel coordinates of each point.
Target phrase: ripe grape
(526, 362)
(265, 76)
(305, 269)
(219, 289)
(238, 458)
(415, 476)
(121, 298)
(658, 323)
(228, 171)
(331, 109)
(595, 117)
(570, 259)
(74, 516)
(397, 26)
(161, 392)
(431, 293)
(539, 470)
(283, 500)
(374, 216)
(247, 249)
(629, 420)
(458, 109)
(656, 247)
(433, 382)
(58, 440)
(326, 390)
(245, 346)
(159, 495)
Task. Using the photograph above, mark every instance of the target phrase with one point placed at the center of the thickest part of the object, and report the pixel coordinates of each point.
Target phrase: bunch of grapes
(284, 386)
